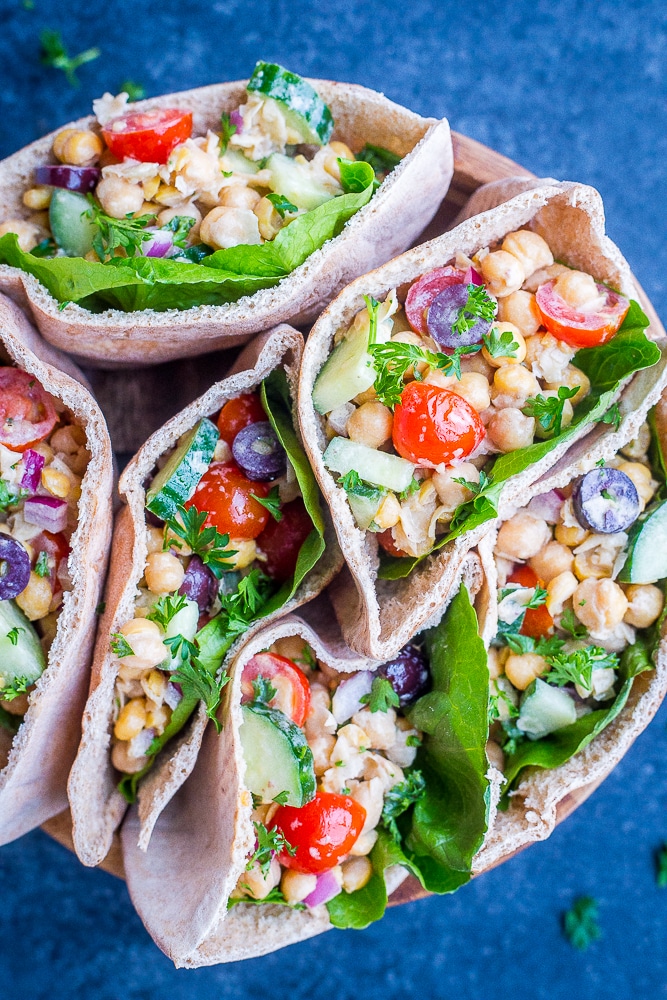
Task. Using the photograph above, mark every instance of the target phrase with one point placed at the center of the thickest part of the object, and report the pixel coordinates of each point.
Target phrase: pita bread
(387, 225)
(35, 765)
(97, 805)
(379, 616)
(202, 839)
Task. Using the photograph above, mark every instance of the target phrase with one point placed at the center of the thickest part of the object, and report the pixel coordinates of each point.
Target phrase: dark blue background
(572, 90)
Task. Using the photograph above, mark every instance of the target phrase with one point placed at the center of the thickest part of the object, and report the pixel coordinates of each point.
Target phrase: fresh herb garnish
(42, 564)
(382, 696)
(661, 867)
(269, 842)
(544, 646)
(413, 487)
(281, 204)
(382, 160)
(54, 54)
(479, 306)
(207, 543)
(134, 91)
(500, 345)
(548, 410)
(128, 233)
(101, 608)
(577, 666)
(272, 503)
(612, 416)
(13, 635)
(570, 623)
(180, 226)
(45, 248)
(484, 502)
(18, 687)
(7, 498)
(496, 699)
(393, 359)
(538, 598)
(413, 740)
(242, 606)
(581, 923)
(353, 484)
(263, 689)
(281, 798)
(227, 130)
(475, 488)
(166, 608)
(197, 680)
(399, 798)
(120, 646)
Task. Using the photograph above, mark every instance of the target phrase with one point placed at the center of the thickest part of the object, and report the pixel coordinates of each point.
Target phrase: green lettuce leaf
(365, 906)
(136, 283)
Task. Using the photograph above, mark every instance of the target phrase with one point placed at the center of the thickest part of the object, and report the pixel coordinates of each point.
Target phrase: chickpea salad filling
(137, 213)
(581, 598)
(489, 363)
(43, 458)
(233, 527)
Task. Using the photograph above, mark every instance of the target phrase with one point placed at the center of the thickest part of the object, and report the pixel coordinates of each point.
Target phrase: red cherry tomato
(537, 622)
(323, 831)
(292, 686)
(424, 290)
(224, 493)
(57, 548)
(577, 328)
(433, 425)
(524, 575)
(148, 136)
(27, 415)
(386, 540)
(238, 413)
(281, 540)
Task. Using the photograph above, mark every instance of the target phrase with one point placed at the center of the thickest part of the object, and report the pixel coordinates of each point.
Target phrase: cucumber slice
(301, 105)
(23, 660)
(646, 561)
(278, 758)
(71, 229)
(177, 480)
(544, 709)
(349, 369)
(295, 182)
(364, 509)
(378, 468)
(234, 160)
(183, 623)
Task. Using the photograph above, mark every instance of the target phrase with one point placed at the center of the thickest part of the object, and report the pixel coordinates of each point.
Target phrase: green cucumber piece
(301, 105)
(72, 230)
(23, 660)
(177, 480)
(379, 468)
(234, 160)
(277, 756)
(646, 561)
(364, 509)
(349, 369)
(544, 709)
(295, 182)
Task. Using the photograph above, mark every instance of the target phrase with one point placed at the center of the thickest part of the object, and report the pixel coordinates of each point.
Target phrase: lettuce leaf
(136, 283)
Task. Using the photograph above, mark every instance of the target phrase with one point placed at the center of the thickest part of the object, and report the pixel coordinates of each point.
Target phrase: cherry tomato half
(323, 831)
(386, 540)
(148, 136)
(224, 493)
(537, 622)
(524, 575)
(238, 413)
(281, 540)
(577, 328)
(292, 686)
(57, 548)
(433, 425)
(424, 290)
(27, 415)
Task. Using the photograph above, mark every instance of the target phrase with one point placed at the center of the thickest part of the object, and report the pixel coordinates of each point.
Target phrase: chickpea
(170, 197)
(164, 572)
(157, 718)
(645, 604)
(570, 536)
(119, 197)
(579, 290)
(600, 604)
(559, 590)
(566, 414)
(296, 886)
(477, 363)
(145, 639)
(154, 539)
(641, 477)
(371, 424)
(523, 536)
(260, 885)
(452, 494)
(229, 227)
(522, 669)
(437, 377)
(502, 273)
(356, 873)
(510, 429)
(37, 198)
(596, 562)
(547, 357)
(530, 249)
(552, 560)
(474, 388)
(155, 685)
(68, 439)
(123, 761)
(269, 219)
(35, 600)
(512, 385)
(80, 147)
(240, 196)
(131, 719)
(543, 274)
(388, 513)
(341, 149)
(520, 309)
(28, 233)
(496, 661)
(189, 210)
(573, 377)
(495, 755)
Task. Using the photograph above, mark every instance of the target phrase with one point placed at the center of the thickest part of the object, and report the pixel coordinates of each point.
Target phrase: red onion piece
(140, 743)
(172, 695)
(160, 244)
(346, 700)
(236, 118)
(473, 277)
(547, 506)
(33, 463)
(82, 179)
(327, 887)
(48, 513)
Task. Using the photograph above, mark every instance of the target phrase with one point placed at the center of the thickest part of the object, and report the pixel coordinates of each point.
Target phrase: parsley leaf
(207, 543)
(42, 564)
(479, 306)
(612, 416)
(120, 646)
(381, 697)
(353, 483)
(393, 359)
(134, 91)
(497, 698)
(545, 646)
(281, 798)
(14, 690)
(548, 410)
(166, 608)
(272, 503)
(9, 499)
(180, 226)
(661, 867)
(227, 130)
(269, 842)
(281, 204)
(307, 658)
(196, 679)
(128, 233)
(570, 623)
(399, 798)
(413, 487)
(263, 689)
(538, 599)
(54, 54)
(13, 635)
(242, 606)
(500, 345)
(475, 488)
(577, 666)
(581, 923)
(413, 741)
(372, 307)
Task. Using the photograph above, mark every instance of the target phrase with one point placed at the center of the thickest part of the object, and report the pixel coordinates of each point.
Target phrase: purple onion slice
(14, 568)
(81, 179)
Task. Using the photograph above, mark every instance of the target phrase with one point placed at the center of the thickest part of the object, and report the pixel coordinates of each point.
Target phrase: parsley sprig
(479, 306)
(120, 646)
(13, 635)
(263, 689)
(281, 204)
(9, 499)
(399, 798)
(166, 608)
(207, 543)
(54, 54)
(577, 666)
(382, 696)
(548, 410)
(581, 923)
(500, 345)
(353, 484)
(180, 226)
(227, 130)
(393, 359)
(243, 606)
(498, 698)
(272, 503)
(42, 564)
(195, 677)
(612, 416)
(570, 623)
(113, 234)
(134, 91)
(269, 842)
(17, 687)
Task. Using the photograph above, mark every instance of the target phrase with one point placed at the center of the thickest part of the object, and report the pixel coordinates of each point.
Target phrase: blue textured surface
(572, 90)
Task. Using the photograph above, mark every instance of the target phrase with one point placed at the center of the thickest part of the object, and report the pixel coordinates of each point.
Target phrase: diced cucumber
(364, 509)
(375, 467)
(349, 368)
(72, 230)
(295, 182)
(234, 160)
(544, 709)
(177, 480)
(21, 654)
(183, 623)
(646, 561)
(303, 108)
(278, 758)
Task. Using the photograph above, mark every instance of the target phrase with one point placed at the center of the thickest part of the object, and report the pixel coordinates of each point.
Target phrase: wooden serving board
(136, 403)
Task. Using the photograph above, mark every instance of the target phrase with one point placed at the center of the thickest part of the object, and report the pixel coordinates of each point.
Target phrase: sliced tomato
(537, 622)
(424, 290)
(281, 540)
(386, 540)
(27, 414)
(57, 549)
(292, 686)
(224, 494)
(524, 575)
(433, 425)
(323, 831)
(577, 328)
(148, 136)
(238, 413)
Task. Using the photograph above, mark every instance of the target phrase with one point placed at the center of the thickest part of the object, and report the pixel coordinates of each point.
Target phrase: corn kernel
(56, 483)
